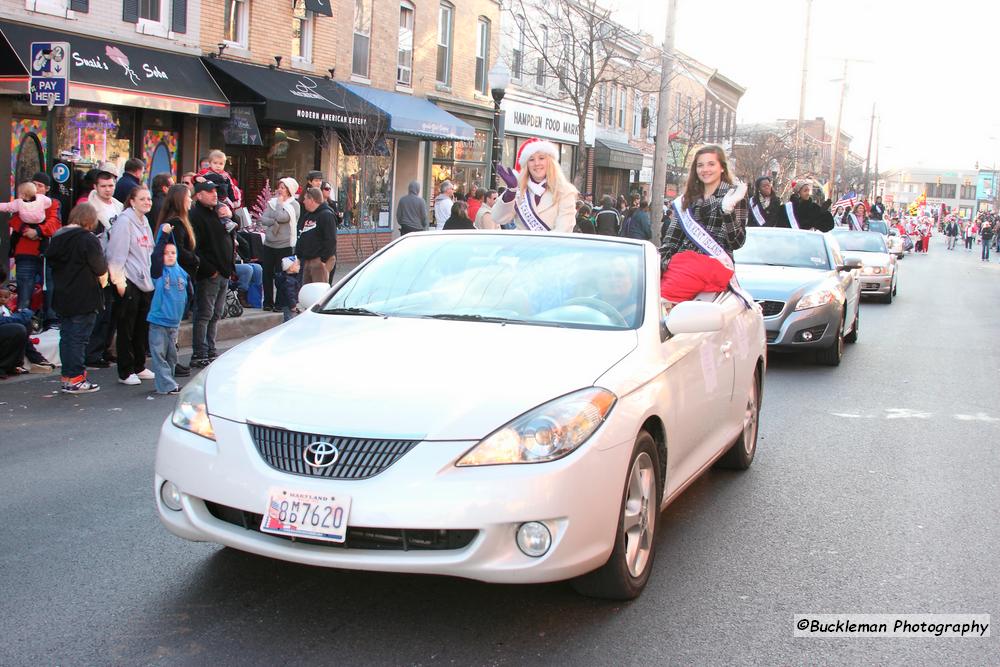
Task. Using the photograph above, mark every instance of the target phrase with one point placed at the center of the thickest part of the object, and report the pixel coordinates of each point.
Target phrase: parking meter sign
(49, 74)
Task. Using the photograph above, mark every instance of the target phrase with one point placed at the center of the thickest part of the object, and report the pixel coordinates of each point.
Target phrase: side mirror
(695, 317)
(851, 263)
(311, 293)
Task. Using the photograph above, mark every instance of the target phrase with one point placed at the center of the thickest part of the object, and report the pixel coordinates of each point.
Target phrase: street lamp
(499, 78)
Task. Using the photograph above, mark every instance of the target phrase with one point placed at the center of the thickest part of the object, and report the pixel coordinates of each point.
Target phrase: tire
(888, 297)
(616, 579)
(235, 309)
(895, 288)
(741, 452)
(832, 355)
(853, 336)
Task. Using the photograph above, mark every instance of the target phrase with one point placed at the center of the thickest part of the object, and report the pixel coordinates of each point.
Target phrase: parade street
(874, 491)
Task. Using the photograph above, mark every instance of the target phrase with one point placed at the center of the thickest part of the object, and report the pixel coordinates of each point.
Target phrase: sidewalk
(231, 330)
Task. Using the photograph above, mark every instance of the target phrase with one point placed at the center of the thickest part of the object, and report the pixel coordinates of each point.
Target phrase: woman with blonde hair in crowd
(539, 197)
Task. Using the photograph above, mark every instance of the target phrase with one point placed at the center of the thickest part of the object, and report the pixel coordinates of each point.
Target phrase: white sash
(756, 213)
(526, 212)
(789, 209)
(701, 238)
(853, 223)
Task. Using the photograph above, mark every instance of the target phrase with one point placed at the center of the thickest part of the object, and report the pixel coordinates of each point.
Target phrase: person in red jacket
(28, 247)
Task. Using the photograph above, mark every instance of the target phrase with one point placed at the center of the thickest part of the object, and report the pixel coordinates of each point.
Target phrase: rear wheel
(832, 355)
(741, 453)
(625, 574)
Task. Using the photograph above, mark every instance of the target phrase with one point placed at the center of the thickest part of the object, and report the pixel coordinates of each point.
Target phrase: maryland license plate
(317, 516)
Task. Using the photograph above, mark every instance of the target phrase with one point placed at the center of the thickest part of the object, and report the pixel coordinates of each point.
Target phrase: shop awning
(107, 72)
(614, 155)
(288, 97)
(414, 116)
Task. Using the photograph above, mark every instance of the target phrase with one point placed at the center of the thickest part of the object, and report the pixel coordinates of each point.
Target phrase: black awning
(109, 72)
(290, 97)
(614, 155)
(320, 7)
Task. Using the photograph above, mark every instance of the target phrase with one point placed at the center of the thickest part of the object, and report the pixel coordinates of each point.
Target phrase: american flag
(847, 200)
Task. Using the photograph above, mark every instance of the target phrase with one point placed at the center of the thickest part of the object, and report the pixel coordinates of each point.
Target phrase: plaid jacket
(730, 230)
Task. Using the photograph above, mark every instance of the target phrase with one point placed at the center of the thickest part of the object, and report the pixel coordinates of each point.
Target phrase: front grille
(378, 539)
(358, 458)
(771, 308)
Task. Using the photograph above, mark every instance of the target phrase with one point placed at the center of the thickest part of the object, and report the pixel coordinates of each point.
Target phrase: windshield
(860, 241)
(507, 277)
(783, 247)
(878, 226)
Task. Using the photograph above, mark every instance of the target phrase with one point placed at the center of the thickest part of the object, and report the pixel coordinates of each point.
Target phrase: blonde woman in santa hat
(539, 197)
(280, 219)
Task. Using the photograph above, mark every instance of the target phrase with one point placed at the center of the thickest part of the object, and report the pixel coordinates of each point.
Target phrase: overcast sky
(933, 69)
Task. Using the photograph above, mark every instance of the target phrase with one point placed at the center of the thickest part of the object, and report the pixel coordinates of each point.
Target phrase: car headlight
(818, 298)
(875, 270)
(548, 432)
(191, 411)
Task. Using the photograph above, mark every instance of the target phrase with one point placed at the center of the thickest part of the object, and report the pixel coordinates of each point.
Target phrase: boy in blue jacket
(170, 293)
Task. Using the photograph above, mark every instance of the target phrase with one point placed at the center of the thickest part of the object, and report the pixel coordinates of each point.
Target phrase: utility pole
(868, 155)
(802, 93)
(662, 149)
(878, 131)
(834, 193)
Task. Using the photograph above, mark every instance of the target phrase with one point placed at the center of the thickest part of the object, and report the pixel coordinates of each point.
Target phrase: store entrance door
(250, 167)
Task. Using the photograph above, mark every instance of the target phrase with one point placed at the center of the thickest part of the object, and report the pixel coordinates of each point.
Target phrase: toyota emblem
(320, 455)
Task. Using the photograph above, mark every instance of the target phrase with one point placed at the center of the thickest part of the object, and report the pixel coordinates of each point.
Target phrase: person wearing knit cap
(801, 212)
(538, 197)
(280, 219)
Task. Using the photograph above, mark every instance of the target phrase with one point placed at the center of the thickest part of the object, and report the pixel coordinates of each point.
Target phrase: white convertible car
(503, 406)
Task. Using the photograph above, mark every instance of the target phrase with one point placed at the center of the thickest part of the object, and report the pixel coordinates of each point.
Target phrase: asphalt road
(875, 490)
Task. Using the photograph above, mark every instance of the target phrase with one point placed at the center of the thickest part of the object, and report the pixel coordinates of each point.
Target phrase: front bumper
(786, 330)
(578, 498)
(876, 285)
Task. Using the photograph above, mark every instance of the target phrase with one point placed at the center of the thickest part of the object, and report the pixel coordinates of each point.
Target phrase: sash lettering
(701, 238)
(526, 212)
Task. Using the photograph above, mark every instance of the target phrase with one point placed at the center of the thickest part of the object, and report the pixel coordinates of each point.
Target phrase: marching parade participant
(765, 207)
(538, 197)
(801, 212)
(708, 224)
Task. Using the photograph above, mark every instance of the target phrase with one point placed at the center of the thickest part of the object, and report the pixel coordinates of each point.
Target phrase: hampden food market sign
(534, 121)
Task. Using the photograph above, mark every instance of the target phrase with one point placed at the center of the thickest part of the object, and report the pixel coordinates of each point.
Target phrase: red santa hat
(532, 146)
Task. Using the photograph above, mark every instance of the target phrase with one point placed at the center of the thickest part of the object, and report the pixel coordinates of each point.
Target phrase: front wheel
(741, 453)
(625, 574)
(832, 355)
(853, 336)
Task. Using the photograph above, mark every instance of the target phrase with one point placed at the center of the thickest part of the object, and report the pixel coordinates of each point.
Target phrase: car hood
(778, 282)
(405, 378)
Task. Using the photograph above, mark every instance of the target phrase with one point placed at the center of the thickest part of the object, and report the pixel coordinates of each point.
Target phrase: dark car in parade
(808, 291)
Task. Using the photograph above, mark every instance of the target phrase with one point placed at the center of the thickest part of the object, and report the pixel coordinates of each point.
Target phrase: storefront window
(91, 135)
(461, 162)
(567, 154)
(285, 152)
(365, 188)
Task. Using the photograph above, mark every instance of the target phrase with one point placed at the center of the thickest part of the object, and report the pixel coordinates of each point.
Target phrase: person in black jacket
(459, 217)
(131, 179)
(215, 247)
(803, 211)
(316, 247)
(609, 220)
(765, 206)
(79, 270)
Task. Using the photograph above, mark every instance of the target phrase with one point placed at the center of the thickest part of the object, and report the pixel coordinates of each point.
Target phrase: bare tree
(572, 49)
(764, 151)
(365, 142)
